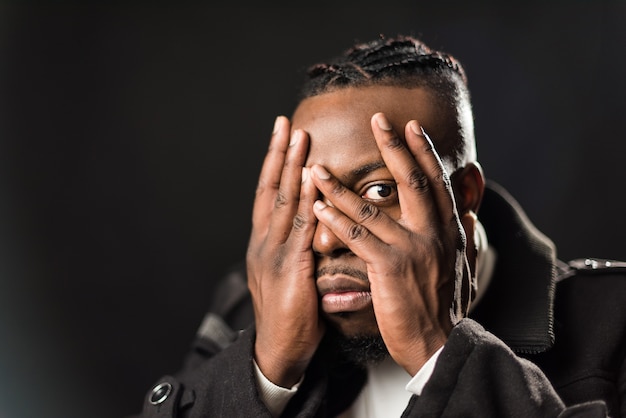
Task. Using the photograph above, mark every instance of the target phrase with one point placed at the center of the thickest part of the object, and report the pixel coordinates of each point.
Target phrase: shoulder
(591, 267)
(594, 283)
(587, 359)
(589, 303)
(598, 284)
(477, 370)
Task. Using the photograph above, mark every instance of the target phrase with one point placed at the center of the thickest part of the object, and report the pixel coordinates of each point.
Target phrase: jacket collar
(518, 304)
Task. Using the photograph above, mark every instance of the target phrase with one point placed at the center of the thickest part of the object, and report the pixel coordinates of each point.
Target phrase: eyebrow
(367, 168)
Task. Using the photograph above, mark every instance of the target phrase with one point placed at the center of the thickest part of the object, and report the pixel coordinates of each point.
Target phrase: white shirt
(388, 389)
(386, 392)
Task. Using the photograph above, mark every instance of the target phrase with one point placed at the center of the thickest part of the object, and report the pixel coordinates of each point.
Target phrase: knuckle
(299, 221)
(441, 177)
(394, 142)
(337, 189)
(417, 180)
(281, 200)
(357, 231)
(367, 211)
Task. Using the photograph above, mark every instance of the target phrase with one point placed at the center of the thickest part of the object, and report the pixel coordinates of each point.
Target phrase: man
(367, 260)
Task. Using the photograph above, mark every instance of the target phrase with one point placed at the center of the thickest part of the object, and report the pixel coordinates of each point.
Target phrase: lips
(349, 301)
(342, 293)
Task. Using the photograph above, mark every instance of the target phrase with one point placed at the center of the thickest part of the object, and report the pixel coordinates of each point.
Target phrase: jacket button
(160, 393)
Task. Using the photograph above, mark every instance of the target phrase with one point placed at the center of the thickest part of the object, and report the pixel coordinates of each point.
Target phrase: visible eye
(380, 192)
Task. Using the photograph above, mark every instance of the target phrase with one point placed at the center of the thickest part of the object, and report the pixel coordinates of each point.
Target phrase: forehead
(339, 126)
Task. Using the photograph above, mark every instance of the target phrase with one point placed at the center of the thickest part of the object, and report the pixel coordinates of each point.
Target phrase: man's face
(342, 141)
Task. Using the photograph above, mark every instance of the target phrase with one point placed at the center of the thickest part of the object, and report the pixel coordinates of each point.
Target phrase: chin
(351, 324)
(357, 339)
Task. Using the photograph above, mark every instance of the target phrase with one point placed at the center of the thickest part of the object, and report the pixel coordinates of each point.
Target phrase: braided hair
(402, 61)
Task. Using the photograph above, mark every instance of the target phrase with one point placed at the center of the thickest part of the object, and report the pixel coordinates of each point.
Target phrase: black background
(132, 134)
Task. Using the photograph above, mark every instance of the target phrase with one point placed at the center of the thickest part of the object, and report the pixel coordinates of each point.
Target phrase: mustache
(343, 270)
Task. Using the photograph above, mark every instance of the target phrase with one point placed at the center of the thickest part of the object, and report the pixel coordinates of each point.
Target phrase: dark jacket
(562, 321)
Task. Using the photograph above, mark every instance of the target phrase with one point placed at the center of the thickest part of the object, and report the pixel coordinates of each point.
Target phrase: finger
(469, 286)
(269, 178)
(413, 182)
(427, 157)
(352, 219)
(304, 221)
(355, 236)
(288, 194)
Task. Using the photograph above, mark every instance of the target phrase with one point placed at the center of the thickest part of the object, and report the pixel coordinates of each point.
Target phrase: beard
(362, 350)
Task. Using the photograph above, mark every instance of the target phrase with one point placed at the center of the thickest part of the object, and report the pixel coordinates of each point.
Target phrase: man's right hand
(280, 261)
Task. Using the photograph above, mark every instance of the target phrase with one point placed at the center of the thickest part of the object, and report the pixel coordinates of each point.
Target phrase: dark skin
(357, 225)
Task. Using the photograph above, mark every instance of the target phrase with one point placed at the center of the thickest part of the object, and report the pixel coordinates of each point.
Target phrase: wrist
(278, 367)
(418, 352)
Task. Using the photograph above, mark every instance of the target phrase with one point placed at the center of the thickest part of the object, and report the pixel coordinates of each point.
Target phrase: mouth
(343, 290)
(345, 301)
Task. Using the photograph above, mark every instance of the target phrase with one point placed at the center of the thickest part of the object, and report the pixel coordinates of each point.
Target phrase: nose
(326, 243)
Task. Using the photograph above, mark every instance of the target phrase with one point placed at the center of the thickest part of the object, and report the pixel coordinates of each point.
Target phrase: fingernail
(305, 174)
(321, 173)
(383, 123)
(319, 205)
(416, 128)
(276, 124)
(295, 137)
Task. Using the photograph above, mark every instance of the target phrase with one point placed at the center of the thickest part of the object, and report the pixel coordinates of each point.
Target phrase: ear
(468, 184)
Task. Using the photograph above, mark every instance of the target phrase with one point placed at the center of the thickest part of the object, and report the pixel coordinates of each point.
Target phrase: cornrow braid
(403, 60)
